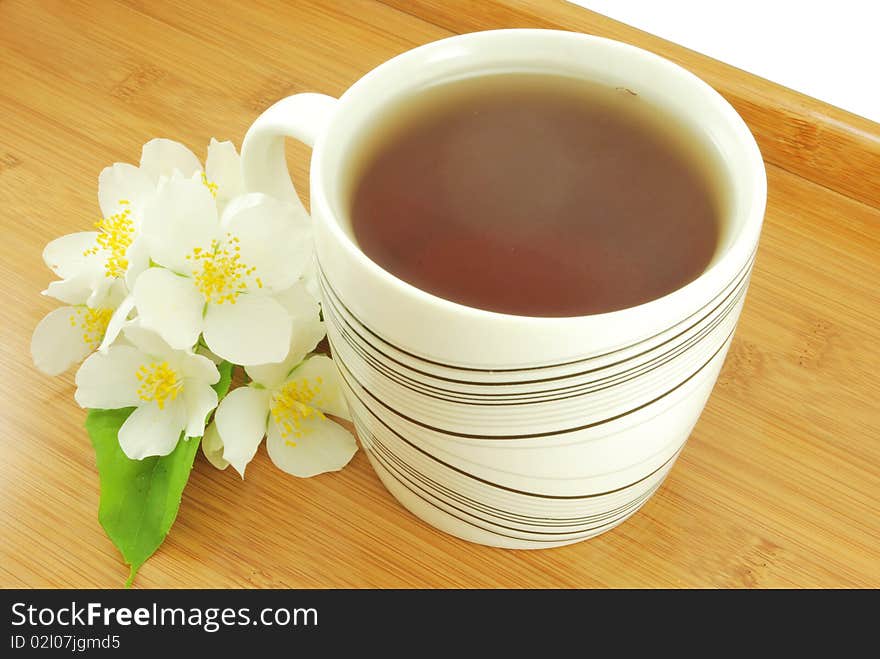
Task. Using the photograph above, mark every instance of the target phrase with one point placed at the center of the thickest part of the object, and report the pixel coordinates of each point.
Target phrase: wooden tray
(778, 486)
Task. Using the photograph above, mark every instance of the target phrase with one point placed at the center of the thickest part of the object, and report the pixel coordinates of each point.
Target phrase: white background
(828, 49)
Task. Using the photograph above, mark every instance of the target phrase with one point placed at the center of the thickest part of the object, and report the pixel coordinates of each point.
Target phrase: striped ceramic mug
(508, 430)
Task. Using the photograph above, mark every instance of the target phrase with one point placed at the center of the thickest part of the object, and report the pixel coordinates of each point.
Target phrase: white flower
(69, 334)
(171, 390)
(221, 276)
(88, 262)
(286, 402)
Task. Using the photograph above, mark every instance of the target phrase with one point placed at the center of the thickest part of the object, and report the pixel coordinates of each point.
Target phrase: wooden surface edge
(813, 139)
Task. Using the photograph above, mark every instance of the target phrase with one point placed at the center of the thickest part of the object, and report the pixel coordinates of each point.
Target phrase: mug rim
(707, 283)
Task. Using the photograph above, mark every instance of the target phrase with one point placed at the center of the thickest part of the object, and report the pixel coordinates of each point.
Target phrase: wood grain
(778, 485)
(817, 141)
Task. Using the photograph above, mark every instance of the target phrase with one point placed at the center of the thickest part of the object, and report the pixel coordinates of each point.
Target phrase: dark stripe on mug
(571, 391)
(499, 513)
(551, 433)
(325, 284)
(332, 301)
(425, 487)
(569, 537)
(490, 483)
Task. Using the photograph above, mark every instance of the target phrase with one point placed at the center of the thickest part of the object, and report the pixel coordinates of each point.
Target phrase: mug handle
(263, 166)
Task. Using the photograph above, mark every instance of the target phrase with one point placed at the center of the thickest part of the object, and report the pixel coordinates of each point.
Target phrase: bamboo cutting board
(778, 486)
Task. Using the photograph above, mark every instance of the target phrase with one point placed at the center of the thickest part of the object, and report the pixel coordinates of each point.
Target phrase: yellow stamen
(212, 187)
(159, 382)
(115, 235)
(93, 323)
(292, 405)
(219, 273)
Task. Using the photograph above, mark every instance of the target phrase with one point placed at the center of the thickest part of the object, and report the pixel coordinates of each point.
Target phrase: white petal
(212, 447)
(199, 399)
(269, 375)
(323, 377)
(117, 322)
(241, 422)
(109, 381)
(306, 337)
(198, 367)
(57, 344)
(170, 305)
(147, 341)
(66, 257)
(161, 157)
(101, 288)
(115, 292)
(261, 224)
(307, 331)
(74, 290)
(301, 306)
(309, 279)
(150, 430)
(138, 255)
(179, 218)
(254, 330)
(223, 167)
(122, 182)
(323, 446)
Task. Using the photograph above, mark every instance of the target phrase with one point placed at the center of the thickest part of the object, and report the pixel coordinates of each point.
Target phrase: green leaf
(222, 386)
(139, 498)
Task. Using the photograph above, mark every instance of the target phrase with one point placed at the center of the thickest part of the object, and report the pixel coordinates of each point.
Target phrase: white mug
(508, 430)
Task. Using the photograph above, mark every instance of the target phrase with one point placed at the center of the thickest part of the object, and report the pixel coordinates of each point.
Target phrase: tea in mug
(536, 195)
